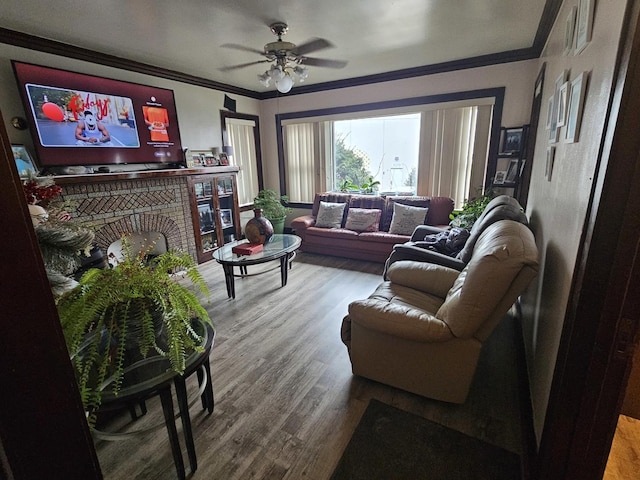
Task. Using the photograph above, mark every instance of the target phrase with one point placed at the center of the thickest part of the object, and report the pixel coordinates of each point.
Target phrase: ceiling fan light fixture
(264, 79)
(276, 72)
(302, 72)
(284, 84)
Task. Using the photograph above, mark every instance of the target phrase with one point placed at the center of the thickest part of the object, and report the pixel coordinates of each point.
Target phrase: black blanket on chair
(449, 242)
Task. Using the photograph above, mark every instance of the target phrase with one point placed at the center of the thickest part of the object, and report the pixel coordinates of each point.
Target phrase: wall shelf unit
(510, 161)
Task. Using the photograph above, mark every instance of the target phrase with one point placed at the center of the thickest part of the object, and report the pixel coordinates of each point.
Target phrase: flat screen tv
(78, 119)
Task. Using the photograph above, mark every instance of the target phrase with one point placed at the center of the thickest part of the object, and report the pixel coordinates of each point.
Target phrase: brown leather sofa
(373, 246)
(423, 329)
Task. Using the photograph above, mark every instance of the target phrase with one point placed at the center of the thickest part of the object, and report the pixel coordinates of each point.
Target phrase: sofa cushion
(333, 233)
(413, 200)
(406, 218)
(382, 237)
(363, 219)
(333, 197)
(330, 215)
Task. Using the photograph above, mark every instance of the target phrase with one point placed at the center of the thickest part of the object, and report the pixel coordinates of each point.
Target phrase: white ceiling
(374, 36)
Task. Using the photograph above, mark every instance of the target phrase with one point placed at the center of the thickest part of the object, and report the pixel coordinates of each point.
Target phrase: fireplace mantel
(139, 174)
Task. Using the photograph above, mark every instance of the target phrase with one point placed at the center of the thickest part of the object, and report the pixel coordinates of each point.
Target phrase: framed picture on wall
(554, 131)
(24, 163)
(548, 169)
(584, 24)
(562, 105)
(569, 31)
(576, 103)
(550, 112)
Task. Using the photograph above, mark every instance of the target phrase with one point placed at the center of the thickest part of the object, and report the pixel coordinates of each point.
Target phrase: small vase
(258, 229)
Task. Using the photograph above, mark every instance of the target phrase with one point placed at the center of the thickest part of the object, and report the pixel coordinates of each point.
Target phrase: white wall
(198, 108)
(557, 209)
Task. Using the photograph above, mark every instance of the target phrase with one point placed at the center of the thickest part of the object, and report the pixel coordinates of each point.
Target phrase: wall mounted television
(83, 120)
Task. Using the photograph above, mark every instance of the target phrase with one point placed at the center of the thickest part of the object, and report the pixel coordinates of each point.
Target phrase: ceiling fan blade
(235, 46)
(324, 62)
(312, 45)
(241, 65)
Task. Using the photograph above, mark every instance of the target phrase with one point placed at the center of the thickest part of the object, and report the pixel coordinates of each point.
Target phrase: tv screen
(78, 119)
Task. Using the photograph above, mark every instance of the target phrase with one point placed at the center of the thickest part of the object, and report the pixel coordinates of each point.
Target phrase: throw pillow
(406, 218)
(363, 219)
(330, 215)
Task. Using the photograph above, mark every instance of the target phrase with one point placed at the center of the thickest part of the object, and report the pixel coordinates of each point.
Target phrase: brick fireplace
(116, 204)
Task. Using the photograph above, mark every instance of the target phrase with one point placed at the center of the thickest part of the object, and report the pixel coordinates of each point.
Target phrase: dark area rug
(390, 444)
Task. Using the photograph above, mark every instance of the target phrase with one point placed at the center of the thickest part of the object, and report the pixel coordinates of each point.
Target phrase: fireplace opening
(147, 244)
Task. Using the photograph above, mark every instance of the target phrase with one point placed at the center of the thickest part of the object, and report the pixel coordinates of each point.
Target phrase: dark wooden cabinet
(215, 211)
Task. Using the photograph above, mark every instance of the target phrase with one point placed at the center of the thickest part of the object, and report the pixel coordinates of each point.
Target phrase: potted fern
(471, 210)
(120, 314)
(271, 204)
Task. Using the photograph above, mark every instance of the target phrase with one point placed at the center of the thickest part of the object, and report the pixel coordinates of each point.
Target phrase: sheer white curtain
(306, 173)
(242, 139)
(449, 158)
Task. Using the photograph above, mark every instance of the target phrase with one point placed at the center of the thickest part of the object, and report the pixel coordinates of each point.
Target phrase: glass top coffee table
(279, 247)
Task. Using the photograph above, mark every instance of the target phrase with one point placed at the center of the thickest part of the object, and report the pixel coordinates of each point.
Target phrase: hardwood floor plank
(286, 400)
(624, 458)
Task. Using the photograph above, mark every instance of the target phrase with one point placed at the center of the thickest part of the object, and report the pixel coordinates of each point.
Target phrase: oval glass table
(279, 247)
(153, 376)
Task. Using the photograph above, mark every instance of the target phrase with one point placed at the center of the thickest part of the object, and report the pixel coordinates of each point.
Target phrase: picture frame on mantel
(584, 24)
(24, 162)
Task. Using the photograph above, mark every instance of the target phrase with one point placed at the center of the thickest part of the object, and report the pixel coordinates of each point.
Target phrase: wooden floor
(286, 401)
(624, 458)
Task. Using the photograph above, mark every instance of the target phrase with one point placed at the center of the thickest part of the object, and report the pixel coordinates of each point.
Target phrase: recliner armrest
(407, 251)
(427, 277)
(399, 321)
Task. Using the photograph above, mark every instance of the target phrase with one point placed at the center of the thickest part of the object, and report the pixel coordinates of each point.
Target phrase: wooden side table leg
(181, 394)
(228, 276)
(169, 420)
(284, 269)
(208, 392)
(201, 377)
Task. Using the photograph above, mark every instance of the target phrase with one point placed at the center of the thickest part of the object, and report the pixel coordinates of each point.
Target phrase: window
(438, 149)
(242, 132)
(382, 149)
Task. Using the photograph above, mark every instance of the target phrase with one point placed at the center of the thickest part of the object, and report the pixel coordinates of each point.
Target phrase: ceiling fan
(289, 59)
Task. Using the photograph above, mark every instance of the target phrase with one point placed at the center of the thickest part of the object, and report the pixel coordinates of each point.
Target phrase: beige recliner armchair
(423, 329)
